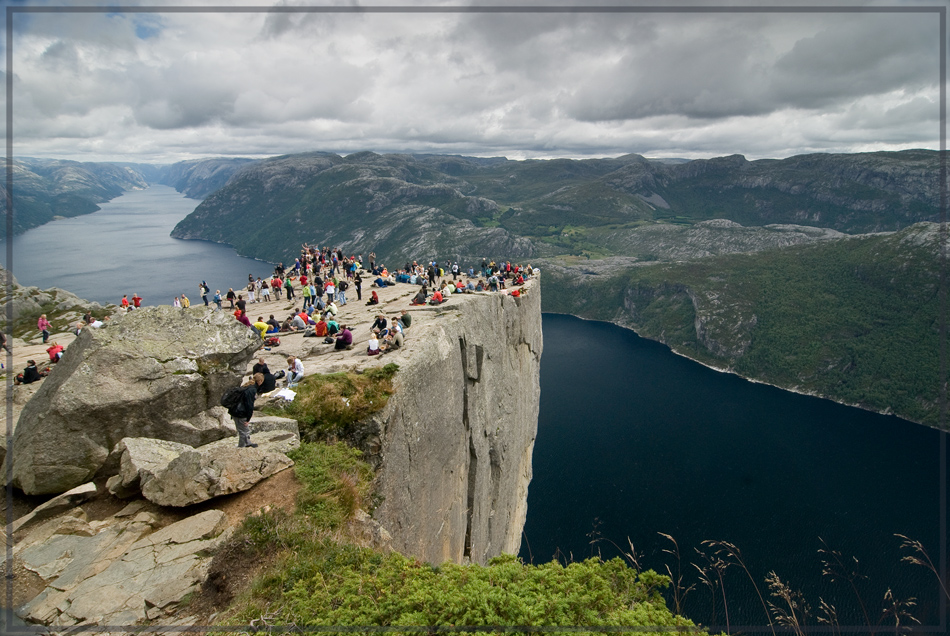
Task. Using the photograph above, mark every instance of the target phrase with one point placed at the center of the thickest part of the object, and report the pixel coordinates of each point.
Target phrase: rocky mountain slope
(459, 206)
(199, 178)
(45, 189)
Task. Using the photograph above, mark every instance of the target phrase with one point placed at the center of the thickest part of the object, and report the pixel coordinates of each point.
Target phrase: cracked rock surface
(121, 574)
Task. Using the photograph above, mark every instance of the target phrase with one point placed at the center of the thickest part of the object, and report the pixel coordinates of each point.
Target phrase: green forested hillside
(854, 319)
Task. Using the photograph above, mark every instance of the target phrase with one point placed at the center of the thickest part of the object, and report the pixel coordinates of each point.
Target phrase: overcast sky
(163, 87)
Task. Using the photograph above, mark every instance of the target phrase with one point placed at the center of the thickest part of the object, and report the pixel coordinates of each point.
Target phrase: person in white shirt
(294, 371)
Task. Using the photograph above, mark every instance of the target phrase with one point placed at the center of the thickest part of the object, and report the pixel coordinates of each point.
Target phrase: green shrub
(347, 585)
(327, 405)
(336, 482)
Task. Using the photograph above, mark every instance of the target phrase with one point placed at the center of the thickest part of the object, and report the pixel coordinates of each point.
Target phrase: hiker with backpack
(240, 404)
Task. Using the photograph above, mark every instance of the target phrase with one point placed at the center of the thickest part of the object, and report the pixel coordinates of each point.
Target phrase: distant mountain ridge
(367, 201)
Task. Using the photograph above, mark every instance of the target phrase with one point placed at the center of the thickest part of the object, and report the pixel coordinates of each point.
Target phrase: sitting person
(420, 297)
(294, 371)
(333, 327)
(345, 339)
(297, 323)
(480, 286)
(392, 342)
(332, 309)
(288, 325)
(273, 324)
(436, 298)
(260, 366)
(380, 282)
(374, 300)
(30, 374)
(244, 320)
(320, 329)
(379, 324)
(270, 380)
(55, 352)
(373, 347)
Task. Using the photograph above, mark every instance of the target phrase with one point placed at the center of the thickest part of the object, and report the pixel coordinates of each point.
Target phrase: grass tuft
(328, 405)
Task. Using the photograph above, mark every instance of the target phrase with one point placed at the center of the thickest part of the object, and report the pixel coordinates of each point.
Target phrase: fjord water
(634, 440)
(125, 248)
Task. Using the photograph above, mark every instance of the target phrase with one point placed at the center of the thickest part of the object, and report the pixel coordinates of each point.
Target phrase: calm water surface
(125, 248)
(634, 440)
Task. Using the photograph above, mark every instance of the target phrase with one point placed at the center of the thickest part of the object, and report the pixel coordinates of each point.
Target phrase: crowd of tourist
(322, 278)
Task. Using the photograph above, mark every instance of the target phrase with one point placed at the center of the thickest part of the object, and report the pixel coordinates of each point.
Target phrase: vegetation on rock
(329, 404)
(316, 580)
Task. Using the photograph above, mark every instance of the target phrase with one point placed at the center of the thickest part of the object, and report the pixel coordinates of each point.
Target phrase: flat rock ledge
(118, 573)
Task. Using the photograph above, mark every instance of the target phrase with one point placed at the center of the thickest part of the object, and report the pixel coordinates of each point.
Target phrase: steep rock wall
(457, 437)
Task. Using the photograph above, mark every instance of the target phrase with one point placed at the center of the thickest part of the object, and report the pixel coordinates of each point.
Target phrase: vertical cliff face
(456, 438)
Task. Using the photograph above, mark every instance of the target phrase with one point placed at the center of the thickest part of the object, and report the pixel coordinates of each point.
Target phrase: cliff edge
(456, 438)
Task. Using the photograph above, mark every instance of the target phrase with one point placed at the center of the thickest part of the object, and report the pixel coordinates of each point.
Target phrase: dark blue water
(634, 440)
(125, 248)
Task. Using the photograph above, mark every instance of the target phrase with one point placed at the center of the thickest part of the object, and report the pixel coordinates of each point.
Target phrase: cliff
(452, 448)
(457, 437)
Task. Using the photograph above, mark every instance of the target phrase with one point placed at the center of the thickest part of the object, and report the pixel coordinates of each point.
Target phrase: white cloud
(168, 86)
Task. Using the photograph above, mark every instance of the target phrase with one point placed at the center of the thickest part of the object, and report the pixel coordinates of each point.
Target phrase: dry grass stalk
(923, 559)
(795, 611)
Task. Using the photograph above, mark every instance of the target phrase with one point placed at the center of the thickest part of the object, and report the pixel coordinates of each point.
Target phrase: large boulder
(220, 469)
(148, 374)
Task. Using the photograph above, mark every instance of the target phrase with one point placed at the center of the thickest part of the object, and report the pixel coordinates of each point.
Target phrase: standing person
(231, 296)
(43, 325)
(372, 260)
(244, 410)
(185, 303)
(203, 291)
(217, 298)
(250, 291)
(358, 283)
(265, 292)
(341, 291)
(136, 300)
(290, 288)
(276, 284)
(329, 290)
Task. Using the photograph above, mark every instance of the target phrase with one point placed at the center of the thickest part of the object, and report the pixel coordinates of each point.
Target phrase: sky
(160, 87)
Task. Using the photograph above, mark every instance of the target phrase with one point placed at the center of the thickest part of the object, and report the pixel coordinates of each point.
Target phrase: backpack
(232, 398)
(272, 341)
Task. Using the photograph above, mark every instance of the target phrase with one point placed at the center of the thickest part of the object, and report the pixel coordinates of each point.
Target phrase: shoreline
(748, 379)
